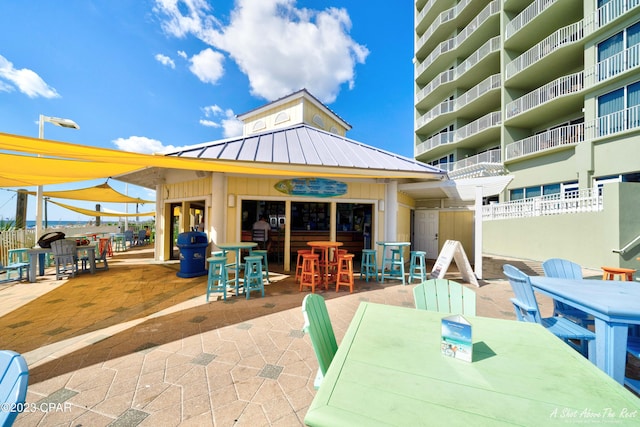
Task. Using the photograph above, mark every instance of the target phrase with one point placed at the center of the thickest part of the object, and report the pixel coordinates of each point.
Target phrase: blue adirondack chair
(318, 325)
(14, 377)
(564, 269)
(526, 307)
(444, 296)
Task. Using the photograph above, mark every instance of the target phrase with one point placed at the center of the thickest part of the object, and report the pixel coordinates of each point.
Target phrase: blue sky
(149, 75)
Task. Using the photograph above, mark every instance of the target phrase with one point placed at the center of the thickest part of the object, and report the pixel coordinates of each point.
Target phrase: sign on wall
(311, 187)
(452, 250)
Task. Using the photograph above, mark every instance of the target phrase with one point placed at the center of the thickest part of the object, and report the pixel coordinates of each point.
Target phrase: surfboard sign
(311, 187)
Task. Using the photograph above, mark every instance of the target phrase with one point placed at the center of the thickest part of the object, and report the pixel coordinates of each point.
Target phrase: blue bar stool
(369, 264)
(396, 266)
(253, 275)
(265, 262)
(417, 267)
(218, 278)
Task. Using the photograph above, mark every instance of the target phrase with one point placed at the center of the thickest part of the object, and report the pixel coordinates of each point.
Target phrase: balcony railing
(491, 46)
(557, 88)
(475, 127)
(526, 16)
(620, 121)
(588, 200)
(492, 8)
(444, 17)
(490, 83)
(552, 139)
(425, 10)
(564, 36)
(628, 59)
(482, 164)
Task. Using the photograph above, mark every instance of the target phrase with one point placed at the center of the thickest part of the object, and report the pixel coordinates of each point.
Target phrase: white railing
(451, 44)
(492, 45)
(554, 138)
(526, 16)
(490, 83)
(443, 18)
(491, 156)
(564, 36)
(620, 121)
(621, 62)
(477, 126)
(555, 89)
(588, 200)
(425, 10)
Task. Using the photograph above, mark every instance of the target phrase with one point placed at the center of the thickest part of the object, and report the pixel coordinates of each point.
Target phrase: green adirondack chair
(318, 325)
(444, 296)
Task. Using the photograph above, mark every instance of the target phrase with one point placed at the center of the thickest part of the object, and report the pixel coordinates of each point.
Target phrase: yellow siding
(187, 189)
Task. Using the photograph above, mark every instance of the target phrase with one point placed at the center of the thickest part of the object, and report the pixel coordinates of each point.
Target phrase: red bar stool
(301, 252)
(345, 271)
(310, 275)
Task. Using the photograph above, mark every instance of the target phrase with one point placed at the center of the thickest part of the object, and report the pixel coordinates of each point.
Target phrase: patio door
(426, 232)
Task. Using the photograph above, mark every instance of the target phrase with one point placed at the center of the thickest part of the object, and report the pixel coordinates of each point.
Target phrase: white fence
(588, 200)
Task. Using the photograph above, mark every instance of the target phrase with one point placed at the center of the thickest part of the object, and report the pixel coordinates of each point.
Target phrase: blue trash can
(193, 254)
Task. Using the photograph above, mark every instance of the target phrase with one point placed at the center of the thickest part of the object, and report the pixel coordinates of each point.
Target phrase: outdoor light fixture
(65, 123)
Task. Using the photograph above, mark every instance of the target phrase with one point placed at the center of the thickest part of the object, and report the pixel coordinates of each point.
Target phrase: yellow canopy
(89, 212)
(61, 162)
(99, 193)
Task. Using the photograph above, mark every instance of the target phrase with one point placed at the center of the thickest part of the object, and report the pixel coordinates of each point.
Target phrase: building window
(334, 130)
(259, 125)
(281, 117)
(318, 120)
(516, 194)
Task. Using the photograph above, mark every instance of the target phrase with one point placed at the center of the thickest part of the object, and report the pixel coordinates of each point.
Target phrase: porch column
(391, 211)
(217, 219)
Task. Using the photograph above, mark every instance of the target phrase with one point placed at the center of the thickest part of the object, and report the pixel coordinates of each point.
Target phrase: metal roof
(304, 145)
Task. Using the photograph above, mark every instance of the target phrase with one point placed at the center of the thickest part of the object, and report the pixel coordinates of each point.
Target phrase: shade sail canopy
(99, 193)
(89, 212)
(87, 162)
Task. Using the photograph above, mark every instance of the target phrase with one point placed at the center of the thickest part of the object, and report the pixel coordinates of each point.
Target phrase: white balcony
(526, 16)
(609, 13)
(564, 36)
(488, 163)
(628, 59)
(557, 88)
(546, 141)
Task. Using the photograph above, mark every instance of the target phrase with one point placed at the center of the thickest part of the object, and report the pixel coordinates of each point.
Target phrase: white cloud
(279, 47)
(230, 125)
(27, 81)
(207, 66)
(142, 144)
(165, 60)
(182, 54)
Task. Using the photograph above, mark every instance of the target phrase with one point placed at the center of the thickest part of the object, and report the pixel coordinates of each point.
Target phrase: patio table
(389, 370)
(614, 305)
(237, 248)
(399, 275)
(37, 259)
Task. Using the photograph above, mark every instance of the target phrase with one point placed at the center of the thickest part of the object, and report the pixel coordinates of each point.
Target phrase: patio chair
(14, 377)
(526, 308)
(564, 269)
(65, 253)
(142, 236)
(128, 237)
(18, 261)
(444, 296)
(318, 325)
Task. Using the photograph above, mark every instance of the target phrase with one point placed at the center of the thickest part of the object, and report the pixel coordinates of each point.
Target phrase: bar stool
(396, 265)
(265, 262)
(369, 264)
(610, 273)
(301, 252)
(253, 275)
(345, 271)
(417, 266)
(218, 277)
(121, 244)
(310, 274)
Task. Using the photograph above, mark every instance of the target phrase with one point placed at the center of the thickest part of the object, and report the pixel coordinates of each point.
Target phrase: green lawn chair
(444, 296)
(318, 325)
